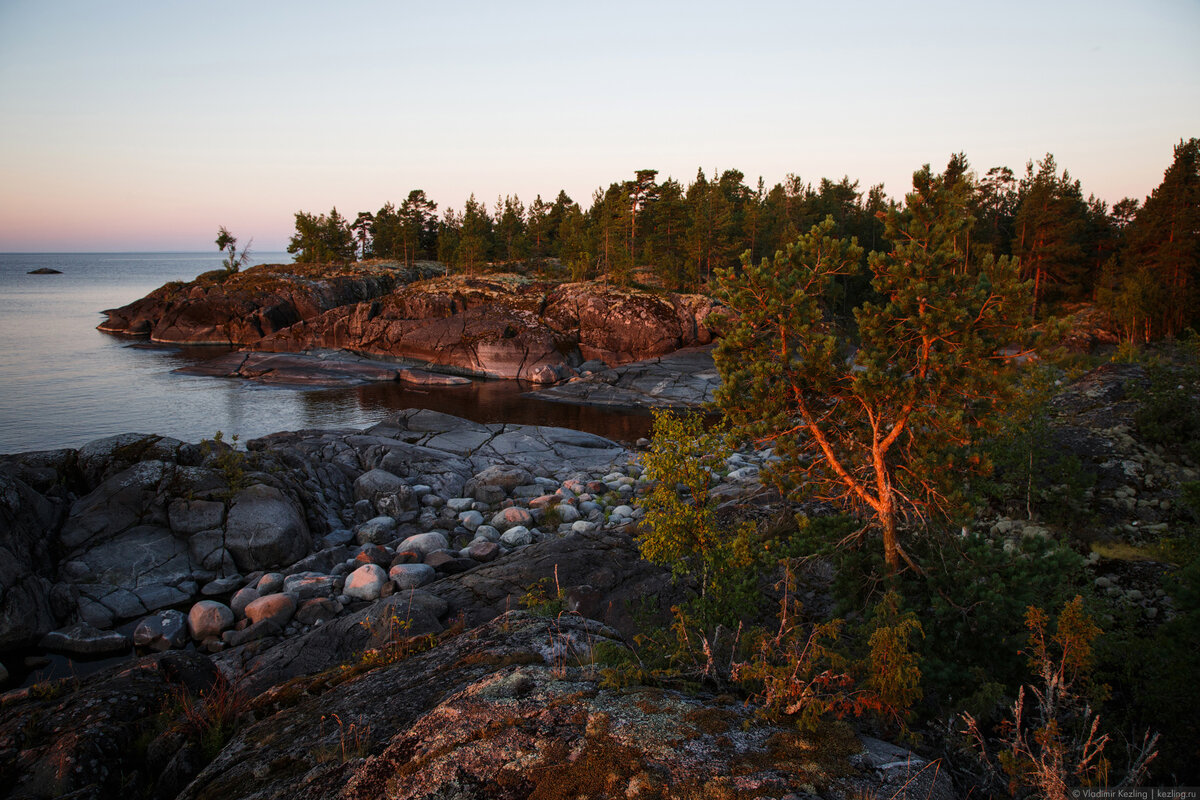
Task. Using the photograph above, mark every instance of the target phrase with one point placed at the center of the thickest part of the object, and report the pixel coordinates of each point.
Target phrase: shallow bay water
(63, 383)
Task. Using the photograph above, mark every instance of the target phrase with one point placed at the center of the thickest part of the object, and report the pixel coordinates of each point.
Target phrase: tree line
(1138, 259)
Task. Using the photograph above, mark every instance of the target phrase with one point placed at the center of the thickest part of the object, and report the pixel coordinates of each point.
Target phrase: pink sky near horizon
(133, 127)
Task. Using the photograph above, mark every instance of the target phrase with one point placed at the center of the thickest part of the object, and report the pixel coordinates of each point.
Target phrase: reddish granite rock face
(240, 309)
(619, 326)
(504, 327)
(499, 326)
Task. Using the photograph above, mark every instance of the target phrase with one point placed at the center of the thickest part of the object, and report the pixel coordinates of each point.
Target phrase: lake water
(63, 383)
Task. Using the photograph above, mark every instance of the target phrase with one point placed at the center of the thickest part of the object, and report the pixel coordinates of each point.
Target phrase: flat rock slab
(84, 640)
(539, 449)
(684, 379)
(317, 368)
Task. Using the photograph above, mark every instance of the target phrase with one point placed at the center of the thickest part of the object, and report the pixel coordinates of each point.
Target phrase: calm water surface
(63, 383)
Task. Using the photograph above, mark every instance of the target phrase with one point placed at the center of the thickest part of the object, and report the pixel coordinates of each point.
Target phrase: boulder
(377, 530)
(162, 631)
(510, 518)
(502, 475)
(270, 583)
(388, 493)
(265, 530)
(27, 565)
(242, 598)
(208, 618)
(278, 608)
(318, 610)
(424, 543)
(304, 585)
(366, 582)
(483, 551)
(411, 576)
(517, 536)
(192, 516)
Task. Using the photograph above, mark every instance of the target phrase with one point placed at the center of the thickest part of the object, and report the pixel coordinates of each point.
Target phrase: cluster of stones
(503, 508)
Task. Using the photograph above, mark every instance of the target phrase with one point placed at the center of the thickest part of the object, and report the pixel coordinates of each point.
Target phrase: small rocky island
(44, 271)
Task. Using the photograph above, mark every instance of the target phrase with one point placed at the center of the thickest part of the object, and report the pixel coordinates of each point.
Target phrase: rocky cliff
(499, 326)
(240, 309)
(504, 326)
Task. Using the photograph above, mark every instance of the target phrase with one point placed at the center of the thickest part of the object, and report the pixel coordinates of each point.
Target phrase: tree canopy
(870, 410)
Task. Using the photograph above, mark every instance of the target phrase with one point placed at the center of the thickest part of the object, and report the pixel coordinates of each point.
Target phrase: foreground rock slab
(513, 710)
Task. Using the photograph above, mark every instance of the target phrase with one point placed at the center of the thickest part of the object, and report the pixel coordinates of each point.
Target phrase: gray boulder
(411, 576)
(388, 493)
(424, 543)
(162, 631)
(366, 582)
(264, 530)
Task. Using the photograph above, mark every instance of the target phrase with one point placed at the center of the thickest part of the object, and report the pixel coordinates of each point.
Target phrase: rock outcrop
(503, 326)
(499, 326)
(240, 309)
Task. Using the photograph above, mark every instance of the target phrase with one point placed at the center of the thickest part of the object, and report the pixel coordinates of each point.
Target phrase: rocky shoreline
(425, 608)
(284, 577)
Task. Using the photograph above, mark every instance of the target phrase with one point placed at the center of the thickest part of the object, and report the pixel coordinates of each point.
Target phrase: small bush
(1168, 412)
(1056, 741)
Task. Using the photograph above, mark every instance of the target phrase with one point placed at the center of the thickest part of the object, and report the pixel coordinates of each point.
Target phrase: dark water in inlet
(63, 383)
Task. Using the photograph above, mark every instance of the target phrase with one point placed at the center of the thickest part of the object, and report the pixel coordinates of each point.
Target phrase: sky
(137, 126)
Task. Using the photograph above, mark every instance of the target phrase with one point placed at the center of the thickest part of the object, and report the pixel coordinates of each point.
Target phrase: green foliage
(811, 672)
(1153, 286)
(970, 605)
(227, 459)
(210, 718)
(680, 528)
(1048, 231)
(235, 260)
(894, 674)
(1152, 671)
(543, 601)
(1168, 412)
(1055, 741)
(879, 428)
(322, 239)
(1030, 474)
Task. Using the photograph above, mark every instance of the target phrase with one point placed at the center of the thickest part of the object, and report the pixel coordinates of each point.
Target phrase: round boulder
(162, 631)
(278, 608)
(505, 476)
(264, 530)
(242, 598)
(366, 582)
(377, 530)
(511, 518)
(516, 536)
(424, 543)
(387, 492)
(208, 619)
(411, 576)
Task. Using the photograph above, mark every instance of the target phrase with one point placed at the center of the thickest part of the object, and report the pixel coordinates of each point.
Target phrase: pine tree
(418, 226)
(875, 428)
(1048, 232)
(1164, 240)
(322, 239)
(475, 239)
